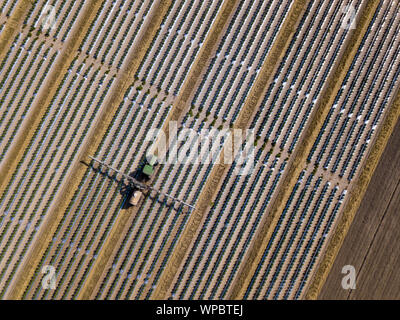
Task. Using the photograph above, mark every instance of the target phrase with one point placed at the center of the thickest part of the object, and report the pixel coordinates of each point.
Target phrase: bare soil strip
(12, 25)
(298, 159)
(215, 179)
(356, 195)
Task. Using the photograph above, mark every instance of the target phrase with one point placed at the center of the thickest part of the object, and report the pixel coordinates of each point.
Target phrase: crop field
(85, 84)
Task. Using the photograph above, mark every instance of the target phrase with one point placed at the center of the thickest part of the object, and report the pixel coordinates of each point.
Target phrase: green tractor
(148, 168)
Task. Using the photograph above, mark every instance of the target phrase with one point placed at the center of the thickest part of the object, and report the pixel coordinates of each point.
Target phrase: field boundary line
(215, 178)
(14, 156)
(356, 196)
(298, 159)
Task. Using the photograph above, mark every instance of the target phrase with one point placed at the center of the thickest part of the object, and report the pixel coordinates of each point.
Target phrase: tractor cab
(148, 168)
